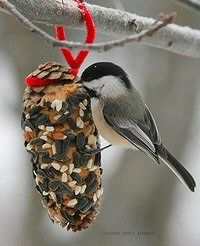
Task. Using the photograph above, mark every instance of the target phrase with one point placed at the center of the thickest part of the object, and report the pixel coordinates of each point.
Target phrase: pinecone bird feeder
(59, 133)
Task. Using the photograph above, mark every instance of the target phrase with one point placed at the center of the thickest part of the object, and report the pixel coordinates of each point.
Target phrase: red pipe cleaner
(74, 62)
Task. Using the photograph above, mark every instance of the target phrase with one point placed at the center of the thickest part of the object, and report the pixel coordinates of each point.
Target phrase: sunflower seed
(64, 118)
(58, 145)
(80, 95)
(34, 111)
(34, 157)
(41, 173)
(97, 161)
(38, 141)
(53, 170)
(42, 120)
(53, 185)
(65, 107)
(77, 159)
(76, 177)
(67, 217)
(84, 159)
(49, 173)
(22, 119)
(59, 196)
(72, 124)
(81, 203)
(90, 178)
(66, 189)
(46, 159)
(76, 98)
(44, 186)
(85, 208)
(80, 141)
(91, 187)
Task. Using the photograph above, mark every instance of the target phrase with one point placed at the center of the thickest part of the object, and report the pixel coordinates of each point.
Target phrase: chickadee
(123, 119)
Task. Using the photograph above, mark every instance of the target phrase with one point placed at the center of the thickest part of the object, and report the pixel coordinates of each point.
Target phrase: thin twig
(98, 46)
(191, 3)
(113, 22)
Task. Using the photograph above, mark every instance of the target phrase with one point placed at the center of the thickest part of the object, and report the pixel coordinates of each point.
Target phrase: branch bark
(165, 20)
(191, 3)
(178, 39)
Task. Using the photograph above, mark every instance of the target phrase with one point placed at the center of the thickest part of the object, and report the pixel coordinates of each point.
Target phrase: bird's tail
(176, 167)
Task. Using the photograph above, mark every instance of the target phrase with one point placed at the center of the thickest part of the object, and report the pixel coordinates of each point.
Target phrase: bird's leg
(95, 151)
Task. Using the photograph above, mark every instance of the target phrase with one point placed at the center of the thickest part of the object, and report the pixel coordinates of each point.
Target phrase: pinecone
(59, 133)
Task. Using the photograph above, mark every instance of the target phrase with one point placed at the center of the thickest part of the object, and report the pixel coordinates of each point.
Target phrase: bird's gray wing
(132, 119)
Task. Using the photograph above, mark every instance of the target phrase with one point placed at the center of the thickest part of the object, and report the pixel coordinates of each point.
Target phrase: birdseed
(58, 128)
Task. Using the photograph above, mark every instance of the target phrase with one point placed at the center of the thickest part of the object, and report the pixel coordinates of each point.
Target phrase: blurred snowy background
(138, 195)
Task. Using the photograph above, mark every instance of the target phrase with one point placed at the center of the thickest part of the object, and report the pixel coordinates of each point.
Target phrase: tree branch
(99, 46)
(181, 40)
(191, 3)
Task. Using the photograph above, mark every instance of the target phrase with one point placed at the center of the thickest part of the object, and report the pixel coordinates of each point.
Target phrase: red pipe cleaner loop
(75, 63)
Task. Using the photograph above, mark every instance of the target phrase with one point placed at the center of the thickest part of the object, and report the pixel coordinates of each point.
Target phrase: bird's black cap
(101, 69)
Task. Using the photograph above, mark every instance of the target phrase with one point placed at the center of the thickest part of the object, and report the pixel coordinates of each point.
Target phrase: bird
(122, 117)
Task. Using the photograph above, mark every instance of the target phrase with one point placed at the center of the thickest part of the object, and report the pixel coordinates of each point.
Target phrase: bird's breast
(104, 129)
